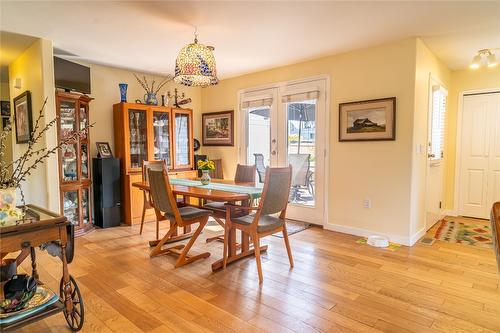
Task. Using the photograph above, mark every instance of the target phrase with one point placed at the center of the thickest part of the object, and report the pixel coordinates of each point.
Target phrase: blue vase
(123, 92)
(150, 99)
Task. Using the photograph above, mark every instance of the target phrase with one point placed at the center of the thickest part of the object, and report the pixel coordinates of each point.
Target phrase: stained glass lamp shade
(195, 66)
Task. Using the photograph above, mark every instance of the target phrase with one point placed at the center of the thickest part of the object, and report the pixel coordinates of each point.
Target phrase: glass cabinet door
(67, 118)
(138, 137)
(69, 163)
(182, 140)
(161, 130)
(85, 206)
(70, 207)
(83, 119)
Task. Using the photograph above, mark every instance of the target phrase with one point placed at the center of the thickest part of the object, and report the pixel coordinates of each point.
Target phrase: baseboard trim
(408, 241)
(450, 213)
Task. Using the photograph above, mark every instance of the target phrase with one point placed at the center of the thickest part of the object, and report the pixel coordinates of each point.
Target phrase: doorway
(287, 124)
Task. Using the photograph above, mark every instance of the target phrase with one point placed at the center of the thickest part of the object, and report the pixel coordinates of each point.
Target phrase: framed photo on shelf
(5, 108)
(23, 117)
(370, 120)
(103, 150)
(218, 128)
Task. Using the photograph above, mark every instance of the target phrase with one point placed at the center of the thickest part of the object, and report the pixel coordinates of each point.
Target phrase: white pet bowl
(378, 241)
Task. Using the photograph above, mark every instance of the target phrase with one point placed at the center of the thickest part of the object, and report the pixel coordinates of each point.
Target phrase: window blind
(256, 103)
(302, 96)
(437, 135)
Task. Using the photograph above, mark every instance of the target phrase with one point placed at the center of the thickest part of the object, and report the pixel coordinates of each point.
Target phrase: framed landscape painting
(370, 120)
(22, 117)
(218, 128)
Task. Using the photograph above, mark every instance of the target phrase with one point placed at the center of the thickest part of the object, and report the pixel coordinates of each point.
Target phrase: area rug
(212, 225)
(293, 227)
(465, 233)
(391, 247)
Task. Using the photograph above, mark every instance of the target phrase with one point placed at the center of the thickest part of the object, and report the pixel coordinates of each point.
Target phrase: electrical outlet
(367, 203)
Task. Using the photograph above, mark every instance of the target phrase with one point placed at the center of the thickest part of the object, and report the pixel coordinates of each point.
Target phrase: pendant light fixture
(195, 65)
(484, 56)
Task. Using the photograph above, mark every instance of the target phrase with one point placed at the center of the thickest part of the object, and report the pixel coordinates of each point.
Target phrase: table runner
(253, 192)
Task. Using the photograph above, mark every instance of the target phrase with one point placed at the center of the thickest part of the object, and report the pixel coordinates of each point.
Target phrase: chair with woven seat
(244, 174)
(263, 222)
(149, 165)
(261, 168)
(217, 173)
(165, 206)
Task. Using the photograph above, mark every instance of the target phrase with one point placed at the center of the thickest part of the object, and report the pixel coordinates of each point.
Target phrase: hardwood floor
(336, 285)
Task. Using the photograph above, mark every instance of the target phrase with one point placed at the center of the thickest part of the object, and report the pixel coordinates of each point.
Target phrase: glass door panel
(161, 129)
(259, 139)
(67, 119)
(84, 160)
(138, 137)
(85, 206)
(83, 119)
(69, 162)
(182, 153)
(70, 207)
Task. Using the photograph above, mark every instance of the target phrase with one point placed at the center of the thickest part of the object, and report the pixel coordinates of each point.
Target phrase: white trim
(408, 241)
(458, 141)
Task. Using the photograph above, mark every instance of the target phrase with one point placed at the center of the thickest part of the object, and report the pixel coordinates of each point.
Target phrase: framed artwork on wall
(218, 128)
(371, 120)
(103, 150)
(23, 117)
(5, 108)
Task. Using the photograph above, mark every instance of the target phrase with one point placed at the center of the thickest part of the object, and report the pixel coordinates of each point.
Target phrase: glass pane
(69, 165)
(85, 206)
(182, 156)
(138, 138)
(301, 133)
(70, 203)
(83, 119)
(161, 136)
(259, 139)
(85, 160)
(67, 118)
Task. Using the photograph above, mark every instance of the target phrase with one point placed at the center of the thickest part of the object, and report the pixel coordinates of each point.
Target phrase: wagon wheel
(76, 316)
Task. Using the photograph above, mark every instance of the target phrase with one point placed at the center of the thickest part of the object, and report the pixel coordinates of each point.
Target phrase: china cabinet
(145, 133)
(74, 175)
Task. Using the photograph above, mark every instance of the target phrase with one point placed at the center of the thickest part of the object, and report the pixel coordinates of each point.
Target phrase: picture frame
(5, 108)
(369, 120)
(218, 128)
(23, 118)
(103, 150)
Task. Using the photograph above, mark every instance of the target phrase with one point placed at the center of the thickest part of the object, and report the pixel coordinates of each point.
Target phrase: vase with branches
(13, 174)
(152, 91)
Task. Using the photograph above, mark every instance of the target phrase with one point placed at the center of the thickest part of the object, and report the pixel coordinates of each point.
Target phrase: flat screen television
(71, 76)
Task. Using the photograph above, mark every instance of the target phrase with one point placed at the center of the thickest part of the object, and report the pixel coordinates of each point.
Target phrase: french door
(286, 125)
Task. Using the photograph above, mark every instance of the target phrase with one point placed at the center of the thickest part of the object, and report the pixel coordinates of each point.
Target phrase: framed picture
(371, 120)
(23, 117)
(103, 150)
(5, 108)
(218, 128)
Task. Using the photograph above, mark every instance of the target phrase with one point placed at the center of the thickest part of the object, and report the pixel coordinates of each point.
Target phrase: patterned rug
(461, 233)
(294, 227)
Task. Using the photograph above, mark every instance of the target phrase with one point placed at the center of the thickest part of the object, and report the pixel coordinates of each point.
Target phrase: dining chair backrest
(245, 173)
(217, 173)
(495, 228)
(261, 168)
(152, 165)
(161, 192)
(276, 191)
(300, 168)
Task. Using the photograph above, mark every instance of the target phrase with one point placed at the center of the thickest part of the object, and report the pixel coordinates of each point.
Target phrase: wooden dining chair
(166, 208)
(264, 221)
(261, 168)
(244, 174)
(149, 165)
(495, 228)
(217, 173)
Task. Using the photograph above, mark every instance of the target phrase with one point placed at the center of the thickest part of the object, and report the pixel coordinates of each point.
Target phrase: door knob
(431, 155)
(273, 152)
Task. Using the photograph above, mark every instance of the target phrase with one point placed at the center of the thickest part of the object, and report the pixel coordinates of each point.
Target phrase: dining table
(220, 190)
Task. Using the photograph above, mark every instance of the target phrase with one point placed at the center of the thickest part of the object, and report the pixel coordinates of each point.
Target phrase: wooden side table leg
(34, 272)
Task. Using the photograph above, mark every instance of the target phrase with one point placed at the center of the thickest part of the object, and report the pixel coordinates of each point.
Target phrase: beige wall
(5, 96)
(427, 65)
(377, 170)
(462, 80)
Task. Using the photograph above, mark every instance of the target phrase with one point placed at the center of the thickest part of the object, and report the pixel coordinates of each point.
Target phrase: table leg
(34, 272)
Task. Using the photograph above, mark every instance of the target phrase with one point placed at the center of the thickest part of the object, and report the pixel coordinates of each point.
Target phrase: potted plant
(205, 167)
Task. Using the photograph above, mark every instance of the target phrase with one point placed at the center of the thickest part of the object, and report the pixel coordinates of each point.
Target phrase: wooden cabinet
(145, 133)
(74, 166)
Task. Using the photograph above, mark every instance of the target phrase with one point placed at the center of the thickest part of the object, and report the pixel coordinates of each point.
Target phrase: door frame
(458, 147)
(327, 151)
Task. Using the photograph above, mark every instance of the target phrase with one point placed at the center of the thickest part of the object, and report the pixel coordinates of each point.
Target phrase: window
(438, 114)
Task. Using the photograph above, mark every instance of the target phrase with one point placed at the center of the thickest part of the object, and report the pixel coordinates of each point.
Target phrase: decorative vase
(205, 177)
(123, 92)
(150, 99)
(9, 213)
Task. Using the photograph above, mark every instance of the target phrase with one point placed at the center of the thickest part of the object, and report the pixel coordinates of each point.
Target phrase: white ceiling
(251, 36)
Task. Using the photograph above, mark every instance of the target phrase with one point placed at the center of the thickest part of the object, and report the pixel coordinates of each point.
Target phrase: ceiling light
(492, 60)
(476, 62)
(195, 65)
(484, 56)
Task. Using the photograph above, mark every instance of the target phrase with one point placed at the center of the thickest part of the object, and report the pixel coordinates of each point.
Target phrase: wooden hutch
(74, 160)
(145, 133)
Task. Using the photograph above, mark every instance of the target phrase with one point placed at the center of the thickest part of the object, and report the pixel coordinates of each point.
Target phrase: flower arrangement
(151, 90)
(206, 165)
(25, 165)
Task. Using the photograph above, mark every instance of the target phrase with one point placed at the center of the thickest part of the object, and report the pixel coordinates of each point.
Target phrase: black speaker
(107, 192)
(198, 157)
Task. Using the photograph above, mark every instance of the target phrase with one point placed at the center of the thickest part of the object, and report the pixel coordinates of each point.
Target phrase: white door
(287, 125)
(435, 148)
(479, 178)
